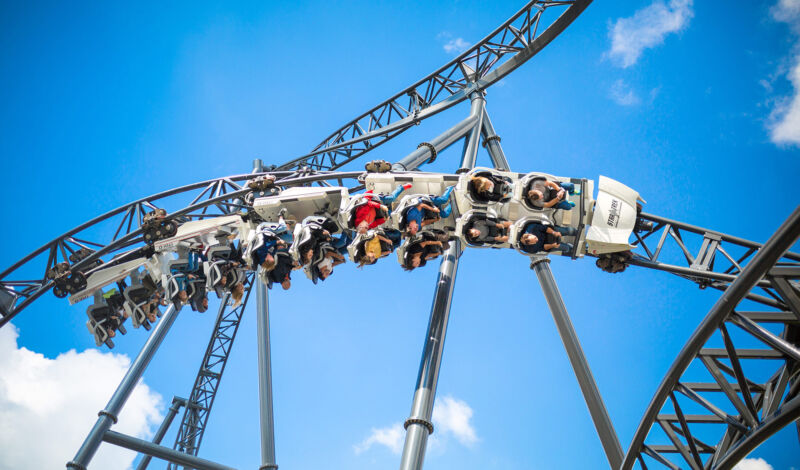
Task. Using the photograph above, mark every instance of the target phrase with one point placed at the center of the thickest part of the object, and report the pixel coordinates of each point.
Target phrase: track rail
(731, 402)
(706, 257)
(510, 45)
(25, 280)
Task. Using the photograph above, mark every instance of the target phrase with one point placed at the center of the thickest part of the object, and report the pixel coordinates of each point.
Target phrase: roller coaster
(252, 231)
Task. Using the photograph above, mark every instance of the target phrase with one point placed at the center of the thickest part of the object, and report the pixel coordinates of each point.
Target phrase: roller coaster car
(467, 221)
(400, 214)
(199, 299)
(301, 202)
(357, 248)
(283, 263)
(309, 234)
(65, 280)
(220, 267)
(613, 219)
(347, 214)
(468, 195)
(103, 277)
(172, 281)
(404, 251)
(421, 183)
(155, 226)
(518, 229)
(103, 321)
(312, 269)
(140, 300)
(205, 232)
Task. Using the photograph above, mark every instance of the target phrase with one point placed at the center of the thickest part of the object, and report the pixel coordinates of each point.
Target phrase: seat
(137, 296)
(347, 215)
(400, 215)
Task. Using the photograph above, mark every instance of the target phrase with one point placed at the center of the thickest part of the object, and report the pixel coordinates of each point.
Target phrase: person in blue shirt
(441, 206)
(183, 273)
(537, 237)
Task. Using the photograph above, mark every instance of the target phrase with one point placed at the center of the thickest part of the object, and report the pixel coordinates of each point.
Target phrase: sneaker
(571, 203)
(407, 186)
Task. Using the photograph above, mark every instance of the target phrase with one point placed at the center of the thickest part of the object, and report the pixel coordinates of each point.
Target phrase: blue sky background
(107, 103)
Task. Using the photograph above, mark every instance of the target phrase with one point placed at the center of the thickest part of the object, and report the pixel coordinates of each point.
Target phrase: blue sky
(693, 105)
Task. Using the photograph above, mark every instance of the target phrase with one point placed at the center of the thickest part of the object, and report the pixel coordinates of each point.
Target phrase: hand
(436, 209)
(557, 234)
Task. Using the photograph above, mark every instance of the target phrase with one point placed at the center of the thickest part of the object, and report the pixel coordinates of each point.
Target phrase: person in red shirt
(373, 213)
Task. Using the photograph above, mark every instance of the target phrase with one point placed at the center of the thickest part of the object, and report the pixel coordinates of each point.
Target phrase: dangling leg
(388, 200)
(443, 202)
(569, 187)
(566, 205)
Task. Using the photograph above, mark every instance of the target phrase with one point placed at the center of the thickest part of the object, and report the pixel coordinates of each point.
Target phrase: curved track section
(498, 54)
(735, 382)
(26, 280)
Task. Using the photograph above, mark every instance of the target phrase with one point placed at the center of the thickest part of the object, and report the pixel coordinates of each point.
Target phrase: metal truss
(198, 408)
(498, 54)
(744, 394)
(25, 281)
(706, 257)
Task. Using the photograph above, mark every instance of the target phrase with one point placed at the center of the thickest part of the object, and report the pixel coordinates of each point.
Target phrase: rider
(487, 230)
(537, 237)
(545, 194)
(368, 215)
(414, 215)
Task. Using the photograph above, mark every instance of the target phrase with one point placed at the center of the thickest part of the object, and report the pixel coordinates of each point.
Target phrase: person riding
(538, 237)
(267, 239)
(414, 216)
(424, 248)
(315, 234)
(282, 274)
(488, 188)
(487, 230)
(378, 246)
(330, 259)
(185, 273)
(545, 194)
(371, 214)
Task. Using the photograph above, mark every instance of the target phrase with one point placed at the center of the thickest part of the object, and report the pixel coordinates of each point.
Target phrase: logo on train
(613, 213)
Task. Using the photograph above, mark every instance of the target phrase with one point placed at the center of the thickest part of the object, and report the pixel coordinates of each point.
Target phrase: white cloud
(451, 417)
(785, 116)
(391, 437)
(622, 94)
(753, 464)
(647, 28)
(47, 406)
(456, 46)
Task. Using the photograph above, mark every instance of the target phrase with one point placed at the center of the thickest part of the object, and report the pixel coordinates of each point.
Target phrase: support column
(265, 378)
(177, 403)
(492, 143)
(419, 425)
(597, 409)
(472, 140)
(108, 416)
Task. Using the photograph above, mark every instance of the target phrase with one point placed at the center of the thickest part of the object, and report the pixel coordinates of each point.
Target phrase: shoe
(571, 203)
(407, 186)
